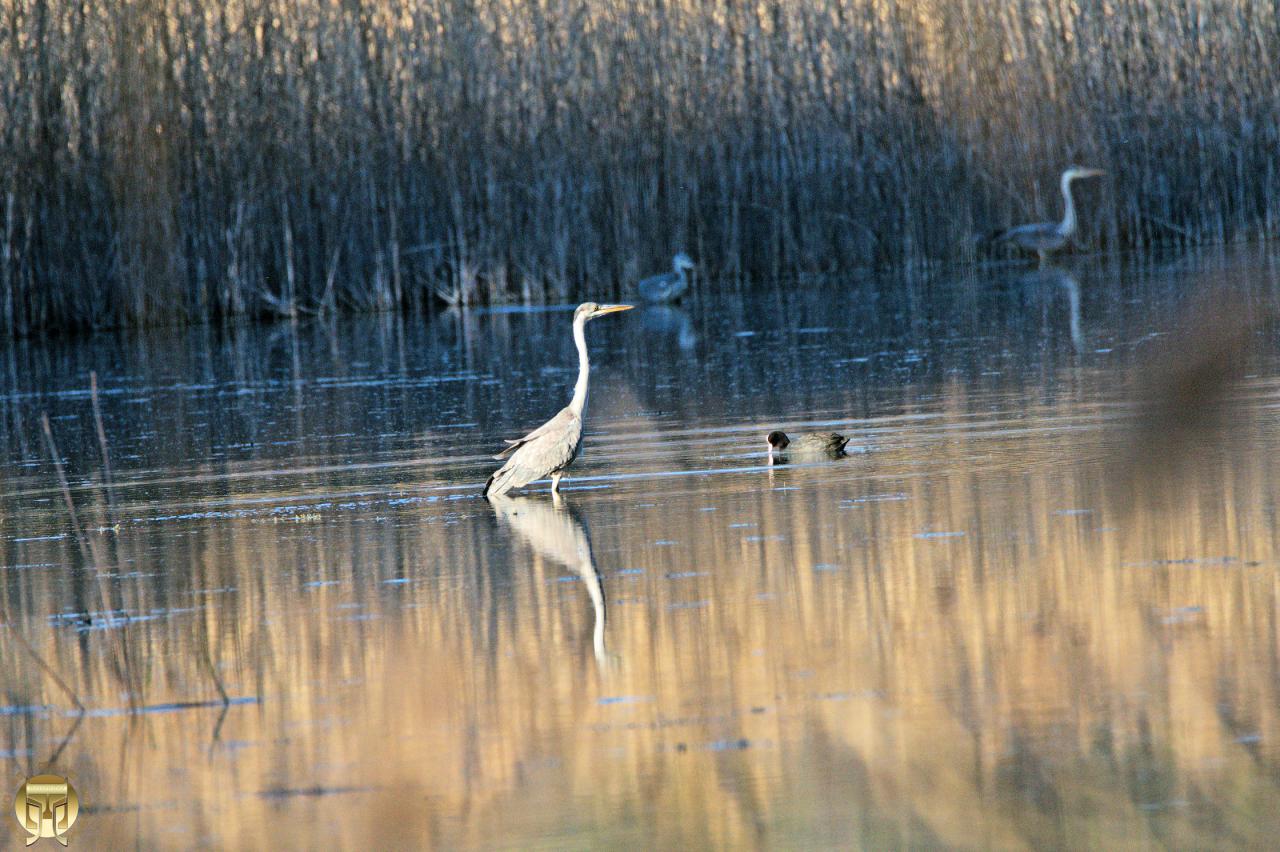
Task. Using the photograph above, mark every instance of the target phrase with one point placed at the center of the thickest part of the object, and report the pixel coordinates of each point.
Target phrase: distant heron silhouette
(1045, 237)
(552, 447)
(667, 286)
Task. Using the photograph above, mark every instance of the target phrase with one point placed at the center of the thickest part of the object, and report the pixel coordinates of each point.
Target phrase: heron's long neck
(1068, 225)
(579, 402)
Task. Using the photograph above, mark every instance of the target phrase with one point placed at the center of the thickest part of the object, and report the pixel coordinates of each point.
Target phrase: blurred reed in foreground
(171, 160)
(1188, 385)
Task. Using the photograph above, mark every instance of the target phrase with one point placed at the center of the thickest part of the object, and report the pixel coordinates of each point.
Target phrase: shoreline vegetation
(173, 161)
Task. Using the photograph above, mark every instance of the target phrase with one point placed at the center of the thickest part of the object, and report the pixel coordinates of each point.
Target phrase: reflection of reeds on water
(918, 648)
(968, 637)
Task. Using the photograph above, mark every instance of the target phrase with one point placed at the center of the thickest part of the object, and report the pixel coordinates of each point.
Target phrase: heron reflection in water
(1045, 237)
(1053, 276)
(668, 320)
(554, 532)
(552, 447)
(667, 286)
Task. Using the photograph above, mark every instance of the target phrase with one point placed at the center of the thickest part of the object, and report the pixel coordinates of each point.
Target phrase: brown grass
(179, 160)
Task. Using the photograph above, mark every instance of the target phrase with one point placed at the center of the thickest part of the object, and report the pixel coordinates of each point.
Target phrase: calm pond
(1035, 607)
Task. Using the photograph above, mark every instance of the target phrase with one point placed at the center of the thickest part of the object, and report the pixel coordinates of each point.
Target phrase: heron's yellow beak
(612, 309)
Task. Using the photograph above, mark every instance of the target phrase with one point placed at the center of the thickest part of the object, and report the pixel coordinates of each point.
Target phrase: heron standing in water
(1044, 237)
(669, 285)
(552, 447)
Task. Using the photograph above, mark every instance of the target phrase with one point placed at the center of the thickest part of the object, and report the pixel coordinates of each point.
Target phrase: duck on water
(806, 445)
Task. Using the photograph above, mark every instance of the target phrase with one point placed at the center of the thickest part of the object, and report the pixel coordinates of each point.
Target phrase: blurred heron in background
(1045, 237)
(669, 285)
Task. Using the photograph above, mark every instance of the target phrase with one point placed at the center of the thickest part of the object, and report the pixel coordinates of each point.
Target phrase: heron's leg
(1044, 258)
(555, 482)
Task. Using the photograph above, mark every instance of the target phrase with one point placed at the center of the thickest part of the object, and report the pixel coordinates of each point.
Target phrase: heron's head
(590, 310)
(682, 261)
(1074, 172)
(777, 441)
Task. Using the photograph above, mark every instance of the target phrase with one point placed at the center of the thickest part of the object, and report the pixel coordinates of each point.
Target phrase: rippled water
(1036, 606)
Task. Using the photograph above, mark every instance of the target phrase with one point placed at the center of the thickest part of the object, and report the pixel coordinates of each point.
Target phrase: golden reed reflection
(966, 637)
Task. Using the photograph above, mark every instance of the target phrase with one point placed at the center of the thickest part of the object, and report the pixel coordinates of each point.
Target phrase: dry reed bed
(177, 160)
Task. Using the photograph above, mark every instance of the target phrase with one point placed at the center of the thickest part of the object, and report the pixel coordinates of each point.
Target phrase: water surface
(291, 619)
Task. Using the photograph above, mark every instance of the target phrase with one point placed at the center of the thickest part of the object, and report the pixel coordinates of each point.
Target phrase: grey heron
(552, 447)
(807, 445)
(668, 285)
(1044, 237)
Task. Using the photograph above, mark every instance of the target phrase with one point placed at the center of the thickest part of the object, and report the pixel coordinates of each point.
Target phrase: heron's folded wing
(1036, 230)
(512, 446)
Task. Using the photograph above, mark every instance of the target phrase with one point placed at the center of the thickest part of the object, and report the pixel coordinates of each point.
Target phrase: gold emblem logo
(46, 807)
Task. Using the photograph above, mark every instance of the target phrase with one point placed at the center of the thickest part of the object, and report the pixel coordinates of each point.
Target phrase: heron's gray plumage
(667, 286)
(1038, 236)
(546, 450)
(1044, 237)
(552, 447)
